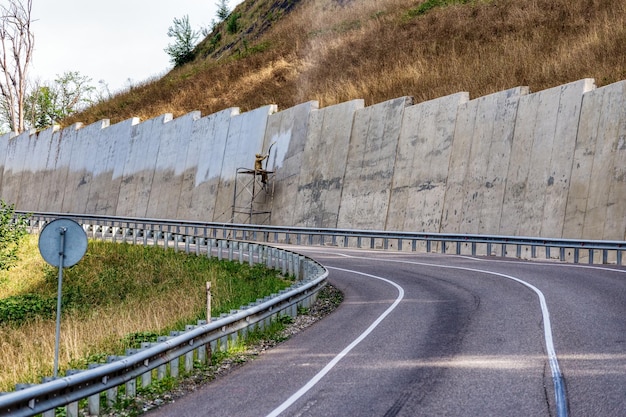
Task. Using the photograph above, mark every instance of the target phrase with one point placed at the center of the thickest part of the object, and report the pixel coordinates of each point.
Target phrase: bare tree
(16, 48)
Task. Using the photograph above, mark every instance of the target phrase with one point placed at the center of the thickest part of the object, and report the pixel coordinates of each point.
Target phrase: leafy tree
(181, 51)
(16, 48)
(12, 229)
(50, 102)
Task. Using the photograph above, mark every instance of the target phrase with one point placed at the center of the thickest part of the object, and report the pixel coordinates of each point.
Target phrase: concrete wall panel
(519, 165)
(84, 159)
(245, 138)
(139, 167)
(498, 162)
(16, 153)
(203, 165)
(583, 162)
(26, 190)
(613, 133)
(562, 155)
(63, 142)
(474, 180)
(370, 165)
(38, 166)
(452, 214)
(170, 161)
(323, 165)
(114, 145)
(531, 216)
(422, 163)
(286, 134)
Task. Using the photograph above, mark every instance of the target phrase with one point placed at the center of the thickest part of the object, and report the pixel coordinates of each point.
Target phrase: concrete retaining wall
(550, 163)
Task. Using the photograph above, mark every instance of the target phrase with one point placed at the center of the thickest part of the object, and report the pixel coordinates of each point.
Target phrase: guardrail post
(93, 402)
(562, 254)
(240, 249)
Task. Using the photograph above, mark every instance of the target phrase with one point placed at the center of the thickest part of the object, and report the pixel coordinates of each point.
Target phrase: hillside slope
(286, 52)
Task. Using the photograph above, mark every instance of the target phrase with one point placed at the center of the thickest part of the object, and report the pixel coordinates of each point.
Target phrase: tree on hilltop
(17, 42)
(181, 51)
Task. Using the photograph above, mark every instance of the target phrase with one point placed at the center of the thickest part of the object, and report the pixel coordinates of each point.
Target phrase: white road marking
(344, 352)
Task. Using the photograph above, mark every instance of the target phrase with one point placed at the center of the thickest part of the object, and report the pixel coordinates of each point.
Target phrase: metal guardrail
(566, 250)
(167, 354)
(233, 241)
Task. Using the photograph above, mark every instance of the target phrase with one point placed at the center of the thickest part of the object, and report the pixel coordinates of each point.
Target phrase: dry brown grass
(27, 352)
(374, 49)
(116, 292)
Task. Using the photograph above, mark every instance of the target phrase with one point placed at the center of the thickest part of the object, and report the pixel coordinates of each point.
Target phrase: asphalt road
(441, 335)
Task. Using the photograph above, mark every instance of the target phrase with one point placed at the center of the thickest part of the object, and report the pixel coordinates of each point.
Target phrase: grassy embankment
(334, 51)
(117, 296)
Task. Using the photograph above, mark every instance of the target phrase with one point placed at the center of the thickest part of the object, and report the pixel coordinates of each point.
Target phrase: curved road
(441, 335)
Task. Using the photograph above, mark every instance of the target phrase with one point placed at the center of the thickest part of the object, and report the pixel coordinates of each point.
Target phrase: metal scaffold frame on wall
(253, 196)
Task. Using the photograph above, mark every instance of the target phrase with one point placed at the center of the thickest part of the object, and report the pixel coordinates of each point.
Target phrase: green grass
(116, 297)
(428, 5)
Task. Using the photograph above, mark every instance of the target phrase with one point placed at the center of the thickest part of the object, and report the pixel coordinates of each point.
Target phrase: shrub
(12, 229)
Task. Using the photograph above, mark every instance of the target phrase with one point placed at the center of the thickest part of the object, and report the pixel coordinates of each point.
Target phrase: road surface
(441, 335)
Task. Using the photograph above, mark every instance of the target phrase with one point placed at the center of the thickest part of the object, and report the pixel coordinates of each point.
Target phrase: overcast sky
(117, 41)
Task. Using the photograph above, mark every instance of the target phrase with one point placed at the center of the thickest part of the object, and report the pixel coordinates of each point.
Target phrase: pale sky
(114, 41)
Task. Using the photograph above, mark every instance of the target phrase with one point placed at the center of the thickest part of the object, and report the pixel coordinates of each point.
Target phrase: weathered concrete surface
(203, 166)
(562, 155)
(40, 170)
(606, 209)
(62, 143)
(488, 154)
(105, 190)
(422, 164)
(170, 162)
(139, 167)
(83, 164)
(286, 134)
(499, 159)
(370, 165)
(14, 161)
(323, 165)
(551, 163)
(246, 133)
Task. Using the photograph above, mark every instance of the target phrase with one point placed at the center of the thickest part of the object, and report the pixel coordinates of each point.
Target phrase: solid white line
(344, 352)
(557, 378)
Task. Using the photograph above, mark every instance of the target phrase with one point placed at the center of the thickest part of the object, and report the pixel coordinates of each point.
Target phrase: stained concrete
(170, 161)
(286, 135)
(139, 167)
(246, 133)
(422, 164)
(323, 165)
(612, 168)
(370, 165)
(550, 163)
(203, 166)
